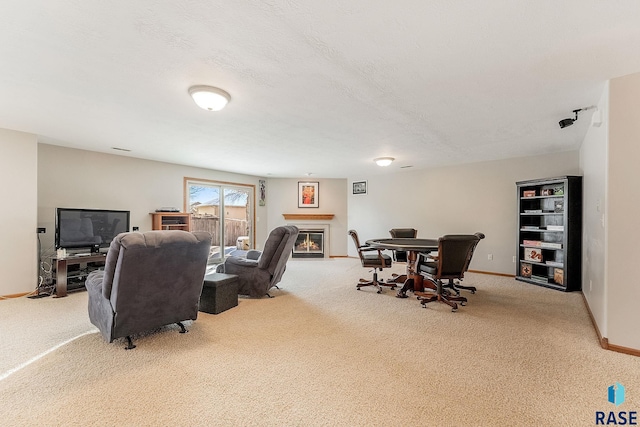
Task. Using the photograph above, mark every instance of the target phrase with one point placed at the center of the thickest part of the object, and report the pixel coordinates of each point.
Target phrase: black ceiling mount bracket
(568, 122)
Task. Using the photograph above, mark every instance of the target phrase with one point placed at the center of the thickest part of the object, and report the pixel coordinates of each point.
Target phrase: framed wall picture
(262, 200)
(308, 194)
(360, 187)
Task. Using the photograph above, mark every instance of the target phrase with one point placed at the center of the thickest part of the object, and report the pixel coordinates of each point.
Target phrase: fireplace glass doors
(309, 244)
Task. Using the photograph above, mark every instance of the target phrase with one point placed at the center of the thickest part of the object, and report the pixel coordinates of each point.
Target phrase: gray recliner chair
(149, 280)
(259, 271)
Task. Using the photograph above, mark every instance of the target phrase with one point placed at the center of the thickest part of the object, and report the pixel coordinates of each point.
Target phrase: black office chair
(401, 256)
(451, 263)
(375, 259)
(456, 286)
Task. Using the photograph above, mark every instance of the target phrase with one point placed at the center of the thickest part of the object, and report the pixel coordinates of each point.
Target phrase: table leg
(61, 278)
(414, 280)
(418, 285)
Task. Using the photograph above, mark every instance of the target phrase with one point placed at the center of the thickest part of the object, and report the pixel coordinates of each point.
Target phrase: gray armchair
(260, 271)
(149, 280)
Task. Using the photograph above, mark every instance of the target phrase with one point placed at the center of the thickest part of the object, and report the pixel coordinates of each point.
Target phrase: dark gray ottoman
(219, 293)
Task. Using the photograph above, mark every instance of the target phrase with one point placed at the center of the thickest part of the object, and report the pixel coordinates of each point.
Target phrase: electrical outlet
(136, 228)
(490, 257)
(41, 230)
(514, 259)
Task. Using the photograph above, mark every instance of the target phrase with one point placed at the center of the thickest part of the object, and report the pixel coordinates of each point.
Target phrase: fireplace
(309, 244)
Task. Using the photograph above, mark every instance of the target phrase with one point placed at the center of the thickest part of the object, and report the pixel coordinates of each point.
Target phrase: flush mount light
(384, 161)
(209, 98)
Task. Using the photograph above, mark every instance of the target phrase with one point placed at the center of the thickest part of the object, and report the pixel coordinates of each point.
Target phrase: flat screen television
(89, 228)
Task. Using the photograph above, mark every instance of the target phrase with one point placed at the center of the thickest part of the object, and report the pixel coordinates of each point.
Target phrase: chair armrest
(94, 281)
(253, 254)
(241, 266)
(235, 263)
(369, 249)
(426, 257)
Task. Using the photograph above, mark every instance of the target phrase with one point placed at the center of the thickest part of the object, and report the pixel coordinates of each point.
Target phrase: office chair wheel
(463, 303)
(379, 291)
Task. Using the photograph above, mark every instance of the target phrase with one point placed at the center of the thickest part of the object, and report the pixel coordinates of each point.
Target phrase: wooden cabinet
(550, 232)
(171, 221)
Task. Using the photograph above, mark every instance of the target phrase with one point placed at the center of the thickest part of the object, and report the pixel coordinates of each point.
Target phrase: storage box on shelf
(550, 232)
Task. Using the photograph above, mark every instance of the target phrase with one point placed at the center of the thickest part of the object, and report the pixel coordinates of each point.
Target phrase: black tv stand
(61, 265)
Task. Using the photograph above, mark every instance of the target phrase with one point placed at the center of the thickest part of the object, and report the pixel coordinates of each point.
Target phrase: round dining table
(413, 246)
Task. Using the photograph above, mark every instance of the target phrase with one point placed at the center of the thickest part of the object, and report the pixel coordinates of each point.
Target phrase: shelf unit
(68, 279)
(170, 221)
(549, 244)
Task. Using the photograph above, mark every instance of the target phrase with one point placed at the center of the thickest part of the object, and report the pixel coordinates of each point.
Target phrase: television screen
(89, 228)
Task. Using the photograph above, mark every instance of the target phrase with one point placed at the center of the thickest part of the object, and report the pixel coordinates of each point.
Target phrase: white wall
(84, 179)
(282, 197)
(457, 199)
(623, 211)
(18, 223)
(594, 165)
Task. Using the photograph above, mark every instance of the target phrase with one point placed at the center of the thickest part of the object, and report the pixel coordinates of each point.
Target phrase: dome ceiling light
(384, 161)
(209, 98)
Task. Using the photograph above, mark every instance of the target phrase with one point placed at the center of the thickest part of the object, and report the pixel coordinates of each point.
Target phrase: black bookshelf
(550, 232)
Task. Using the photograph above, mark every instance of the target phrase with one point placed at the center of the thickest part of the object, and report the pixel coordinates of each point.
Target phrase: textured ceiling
(317, 87)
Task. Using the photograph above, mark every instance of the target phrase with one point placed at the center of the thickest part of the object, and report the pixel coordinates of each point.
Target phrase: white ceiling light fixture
(384, 161)
(209, 98)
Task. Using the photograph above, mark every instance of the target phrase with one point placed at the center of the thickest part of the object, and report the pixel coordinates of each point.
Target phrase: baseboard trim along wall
(604, 342)
(14, 295)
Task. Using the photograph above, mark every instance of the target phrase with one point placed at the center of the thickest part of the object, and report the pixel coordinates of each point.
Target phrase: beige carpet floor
(319, 353)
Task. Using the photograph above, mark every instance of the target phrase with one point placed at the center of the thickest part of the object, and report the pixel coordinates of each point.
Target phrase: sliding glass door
(223, 209)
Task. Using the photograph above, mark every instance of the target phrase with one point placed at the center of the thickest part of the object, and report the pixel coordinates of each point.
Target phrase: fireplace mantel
(303, 217)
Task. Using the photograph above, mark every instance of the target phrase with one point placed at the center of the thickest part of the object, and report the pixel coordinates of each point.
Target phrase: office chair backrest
(454, 254)
(356, 240)
(403, 232)
(480, 236)
(400, 233)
